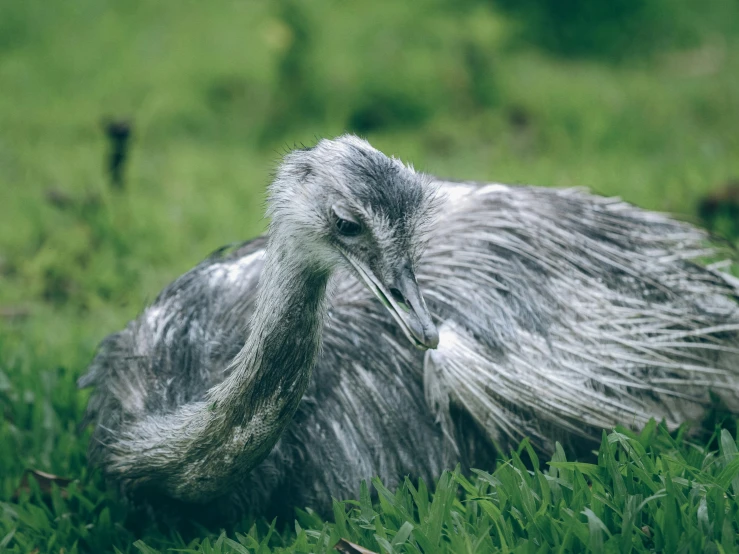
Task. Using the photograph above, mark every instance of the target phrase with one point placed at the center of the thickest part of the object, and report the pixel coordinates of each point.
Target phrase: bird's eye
(348, 228)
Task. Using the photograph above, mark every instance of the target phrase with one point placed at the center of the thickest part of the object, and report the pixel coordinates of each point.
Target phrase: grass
(215, 92)
(647, 493)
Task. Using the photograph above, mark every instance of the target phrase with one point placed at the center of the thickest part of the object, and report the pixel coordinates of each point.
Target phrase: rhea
(391, 323)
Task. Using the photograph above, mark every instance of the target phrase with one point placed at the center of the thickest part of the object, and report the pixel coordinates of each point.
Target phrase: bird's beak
(403, 300)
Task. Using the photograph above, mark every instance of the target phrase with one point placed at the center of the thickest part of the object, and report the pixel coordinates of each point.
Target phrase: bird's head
(345, 204)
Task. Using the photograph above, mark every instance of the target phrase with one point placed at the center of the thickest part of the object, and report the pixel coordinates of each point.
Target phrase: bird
(392, 323)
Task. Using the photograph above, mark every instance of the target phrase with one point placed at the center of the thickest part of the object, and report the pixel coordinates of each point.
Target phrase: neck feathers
(284, 334)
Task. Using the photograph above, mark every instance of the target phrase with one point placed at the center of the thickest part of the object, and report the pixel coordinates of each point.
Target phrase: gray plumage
(271, 376)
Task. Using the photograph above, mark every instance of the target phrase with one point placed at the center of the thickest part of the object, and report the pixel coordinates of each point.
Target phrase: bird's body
(560, 313)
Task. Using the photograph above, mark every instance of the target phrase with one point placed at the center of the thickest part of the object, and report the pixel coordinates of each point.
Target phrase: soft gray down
(282, 372)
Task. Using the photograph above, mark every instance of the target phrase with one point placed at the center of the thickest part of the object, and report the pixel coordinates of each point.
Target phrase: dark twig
(119, 133)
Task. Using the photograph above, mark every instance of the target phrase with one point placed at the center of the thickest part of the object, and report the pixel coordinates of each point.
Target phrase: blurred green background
(637, 98)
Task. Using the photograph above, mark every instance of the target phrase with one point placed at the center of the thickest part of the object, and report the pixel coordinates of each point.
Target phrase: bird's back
(564, 313)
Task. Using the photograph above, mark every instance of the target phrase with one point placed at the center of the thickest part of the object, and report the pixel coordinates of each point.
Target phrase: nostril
(397, 295)
(400, 299)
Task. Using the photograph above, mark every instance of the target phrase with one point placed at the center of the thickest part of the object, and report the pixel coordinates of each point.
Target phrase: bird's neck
(285, 331)
(205, 448)
(255, 403)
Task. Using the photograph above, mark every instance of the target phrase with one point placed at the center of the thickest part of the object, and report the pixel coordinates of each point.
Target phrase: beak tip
(432, 338)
